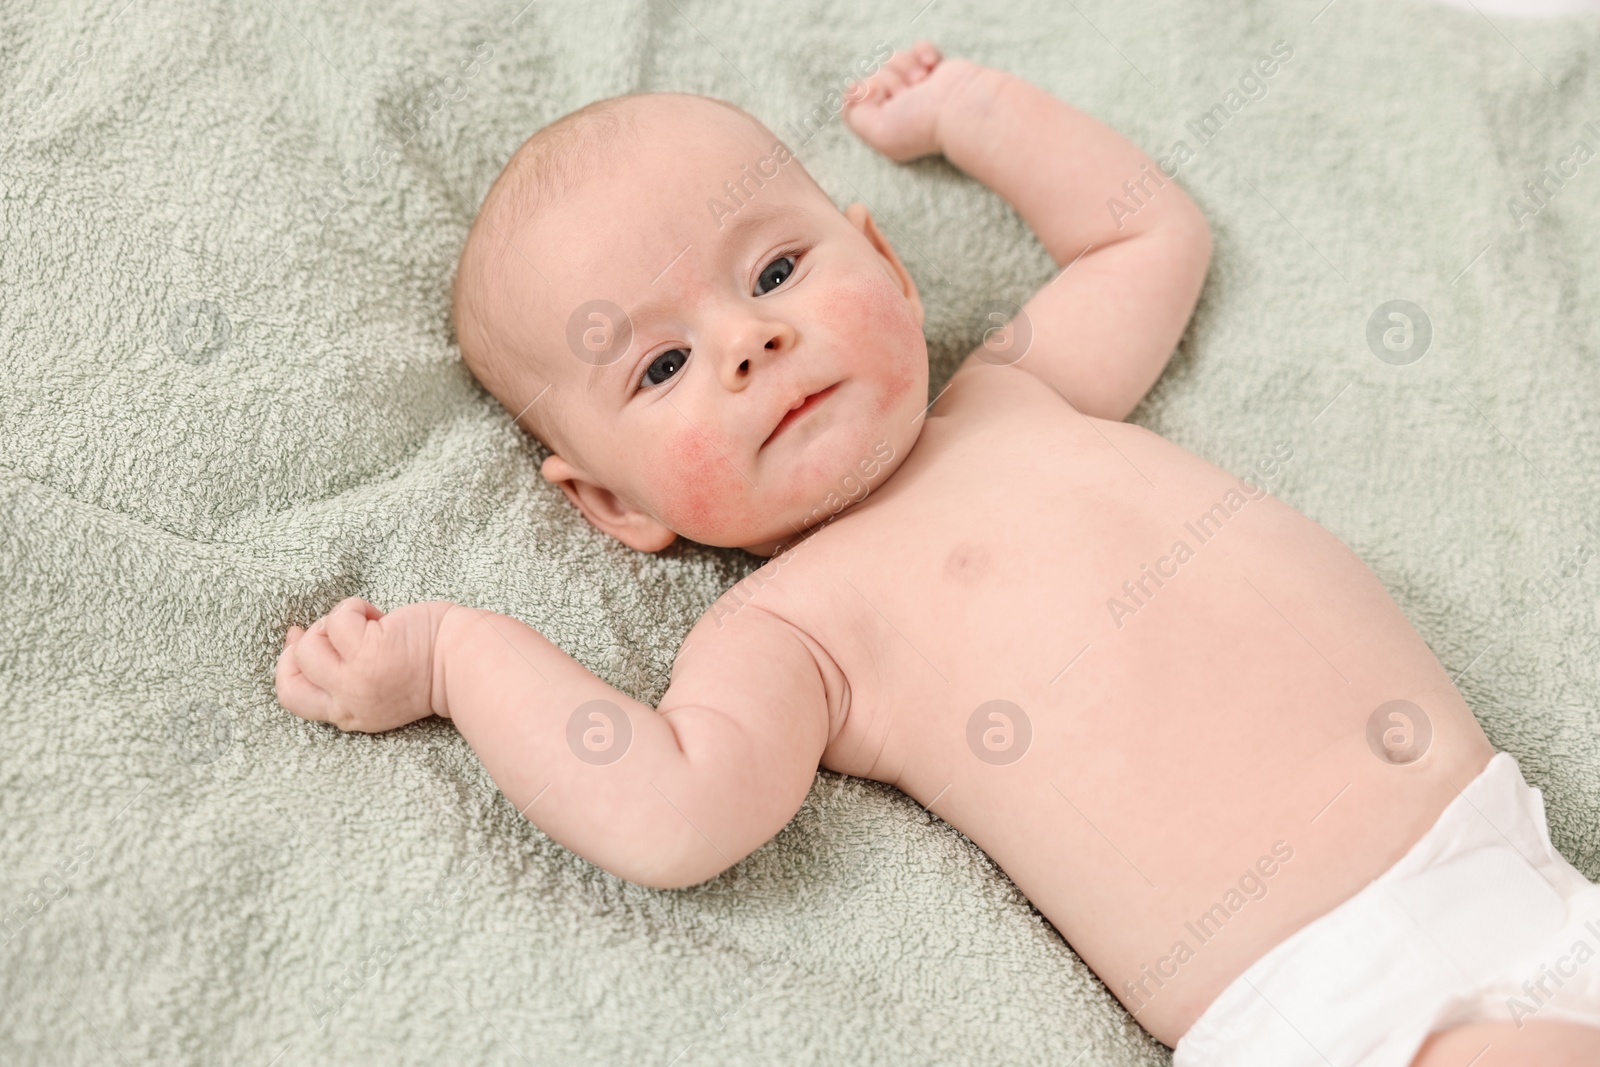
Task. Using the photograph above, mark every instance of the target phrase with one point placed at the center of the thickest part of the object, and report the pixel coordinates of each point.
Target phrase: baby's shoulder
(801, 593)
(767, 622)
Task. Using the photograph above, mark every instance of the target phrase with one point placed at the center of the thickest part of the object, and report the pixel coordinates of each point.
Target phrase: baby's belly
(1179, 740)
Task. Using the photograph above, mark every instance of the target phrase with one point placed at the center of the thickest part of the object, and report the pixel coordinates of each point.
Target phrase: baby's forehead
(710, 121)
(688, 174)
(650, 136)
(681, 154)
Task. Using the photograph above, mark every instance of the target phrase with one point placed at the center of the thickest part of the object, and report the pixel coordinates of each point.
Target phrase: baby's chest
(993, 523)
(1019, 563)
(971, 579)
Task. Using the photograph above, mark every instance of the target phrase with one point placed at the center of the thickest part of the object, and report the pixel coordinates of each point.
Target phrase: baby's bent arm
(700, 782)
(665, 797)
(1105, 327)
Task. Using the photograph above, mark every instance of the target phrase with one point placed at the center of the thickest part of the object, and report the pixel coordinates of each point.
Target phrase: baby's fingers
(909, 66)
(317, 658)
(295, 691)
(904, 69)
(874, 90)
(347, 624)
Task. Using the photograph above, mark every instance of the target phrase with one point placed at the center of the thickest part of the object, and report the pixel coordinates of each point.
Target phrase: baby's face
(739, 310)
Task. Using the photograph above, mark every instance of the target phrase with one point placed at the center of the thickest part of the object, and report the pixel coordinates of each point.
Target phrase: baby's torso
(1180, 773)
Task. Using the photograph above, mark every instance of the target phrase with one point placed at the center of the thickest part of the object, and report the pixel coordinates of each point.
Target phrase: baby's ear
(862, 220)
(605, 510)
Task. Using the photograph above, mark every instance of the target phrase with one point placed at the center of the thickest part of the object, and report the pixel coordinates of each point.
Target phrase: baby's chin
(763, 538)
(844, 473)
(734, 523)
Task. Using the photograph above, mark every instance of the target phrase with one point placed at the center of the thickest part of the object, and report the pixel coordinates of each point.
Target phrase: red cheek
(874, 320)
(898, 385)
(695, 485)
(856, 310)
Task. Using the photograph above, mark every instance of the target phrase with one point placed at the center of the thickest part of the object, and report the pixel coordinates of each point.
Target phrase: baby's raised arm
(1104, 328)
(665, 797)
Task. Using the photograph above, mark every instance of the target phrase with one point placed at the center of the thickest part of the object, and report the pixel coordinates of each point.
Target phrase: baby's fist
(897, 110)
(360, 669)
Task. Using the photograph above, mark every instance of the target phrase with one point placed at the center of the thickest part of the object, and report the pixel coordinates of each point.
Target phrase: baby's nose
(756, 339)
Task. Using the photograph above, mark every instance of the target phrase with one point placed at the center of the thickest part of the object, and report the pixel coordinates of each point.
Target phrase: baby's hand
(897, 110)
(360, 669)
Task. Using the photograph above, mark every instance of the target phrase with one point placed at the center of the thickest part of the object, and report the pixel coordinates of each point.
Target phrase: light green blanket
(231, 398)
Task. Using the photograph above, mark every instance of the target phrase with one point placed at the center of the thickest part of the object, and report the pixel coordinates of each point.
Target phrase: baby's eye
(776, 274)
(665, 366)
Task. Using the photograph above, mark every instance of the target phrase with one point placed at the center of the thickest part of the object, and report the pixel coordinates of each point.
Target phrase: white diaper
(1481, 920)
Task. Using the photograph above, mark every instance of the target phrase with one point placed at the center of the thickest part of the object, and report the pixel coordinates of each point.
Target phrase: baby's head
(651, 284)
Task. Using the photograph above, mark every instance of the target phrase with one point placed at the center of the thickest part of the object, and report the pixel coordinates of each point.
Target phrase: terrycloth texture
(231, 398)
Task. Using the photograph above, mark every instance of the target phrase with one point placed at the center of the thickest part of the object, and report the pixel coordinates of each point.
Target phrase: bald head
(557, 156)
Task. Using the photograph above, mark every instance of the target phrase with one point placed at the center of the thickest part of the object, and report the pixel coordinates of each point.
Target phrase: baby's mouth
(799, 411)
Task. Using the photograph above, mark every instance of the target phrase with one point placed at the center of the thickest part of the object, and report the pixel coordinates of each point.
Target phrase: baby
(1186, 720)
